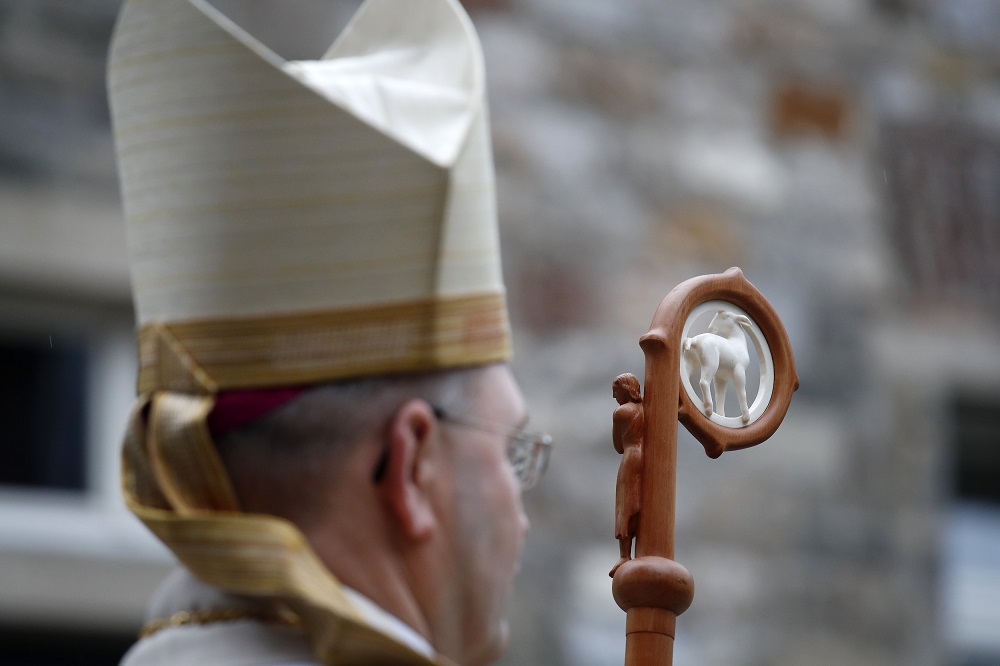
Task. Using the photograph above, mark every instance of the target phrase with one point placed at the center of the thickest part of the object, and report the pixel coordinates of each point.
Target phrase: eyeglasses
(528, 452)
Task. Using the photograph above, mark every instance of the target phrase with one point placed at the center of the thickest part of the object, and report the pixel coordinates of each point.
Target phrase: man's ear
(406, 485)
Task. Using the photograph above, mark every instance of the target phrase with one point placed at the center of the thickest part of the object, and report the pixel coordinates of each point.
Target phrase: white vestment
(240, 642)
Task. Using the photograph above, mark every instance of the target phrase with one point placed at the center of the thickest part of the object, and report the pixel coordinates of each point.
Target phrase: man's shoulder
(235, 643)
(191, 623)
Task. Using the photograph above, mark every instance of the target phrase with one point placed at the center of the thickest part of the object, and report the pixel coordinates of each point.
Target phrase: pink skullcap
(235, 409)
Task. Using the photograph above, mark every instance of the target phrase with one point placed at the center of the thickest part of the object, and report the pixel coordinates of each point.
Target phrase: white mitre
(295, 222)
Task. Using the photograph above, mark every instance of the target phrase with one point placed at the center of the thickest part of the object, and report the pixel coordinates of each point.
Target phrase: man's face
(489, 520)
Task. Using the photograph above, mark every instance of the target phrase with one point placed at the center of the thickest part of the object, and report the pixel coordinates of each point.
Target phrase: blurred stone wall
(52, 103)
(641, 143)
(638, 144)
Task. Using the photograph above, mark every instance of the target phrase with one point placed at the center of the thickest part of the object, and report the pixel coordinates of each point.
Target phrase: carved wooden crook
(651, 588)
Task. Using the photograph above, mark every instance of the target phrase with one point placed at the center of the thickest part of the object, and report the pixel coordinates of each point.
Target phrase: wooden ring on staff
(666, 332)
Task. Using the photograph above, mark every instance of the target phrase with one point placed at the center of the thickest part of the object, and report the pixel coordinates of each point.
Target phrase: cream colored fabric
(241, 642)
(232, 643)
(425, 99)
(296, 222)
(433, 101)
(389, 624)
(247, 192)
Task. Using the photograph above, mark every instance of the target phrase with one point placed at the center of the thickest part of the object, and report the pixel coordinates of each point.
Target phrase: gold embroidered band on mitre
(304, 348)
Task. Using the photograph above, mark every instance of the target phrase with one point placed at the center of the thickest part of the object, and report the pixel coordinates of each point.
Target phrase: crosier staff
(651, 588)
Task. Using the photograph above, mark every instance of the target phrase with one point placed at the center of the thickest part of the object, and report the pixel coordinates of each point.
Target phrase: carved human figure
(626, 434)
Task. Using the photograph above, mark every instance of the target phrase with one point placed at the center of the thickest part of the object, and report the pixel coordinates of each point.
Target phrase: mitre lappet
(293, 223)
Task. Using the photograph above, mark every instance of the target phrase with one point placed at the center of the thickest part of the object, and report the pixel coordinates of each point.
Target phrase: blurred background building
(844, 153)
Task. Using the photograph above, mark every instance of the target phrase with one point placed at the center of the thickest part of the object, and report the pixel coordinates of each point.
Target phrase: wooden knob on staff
(652, 591)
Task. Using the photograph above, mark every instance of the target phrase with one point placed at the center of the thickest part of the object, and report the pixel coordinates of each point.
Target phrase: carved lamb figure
(723, 357)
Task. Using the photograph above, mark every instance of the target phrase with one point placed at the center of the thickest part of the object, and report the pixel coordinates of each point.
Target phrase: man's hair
(284, 463)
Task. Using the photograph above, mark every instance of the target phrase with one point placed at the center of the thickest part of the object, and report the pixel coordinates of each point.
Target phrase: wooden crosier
(651, 588)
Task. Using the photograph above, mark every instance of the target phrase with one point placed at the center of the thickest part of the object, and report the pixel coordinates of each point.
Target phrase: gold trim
(181, 455)
(210, 355)
(184, 618)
